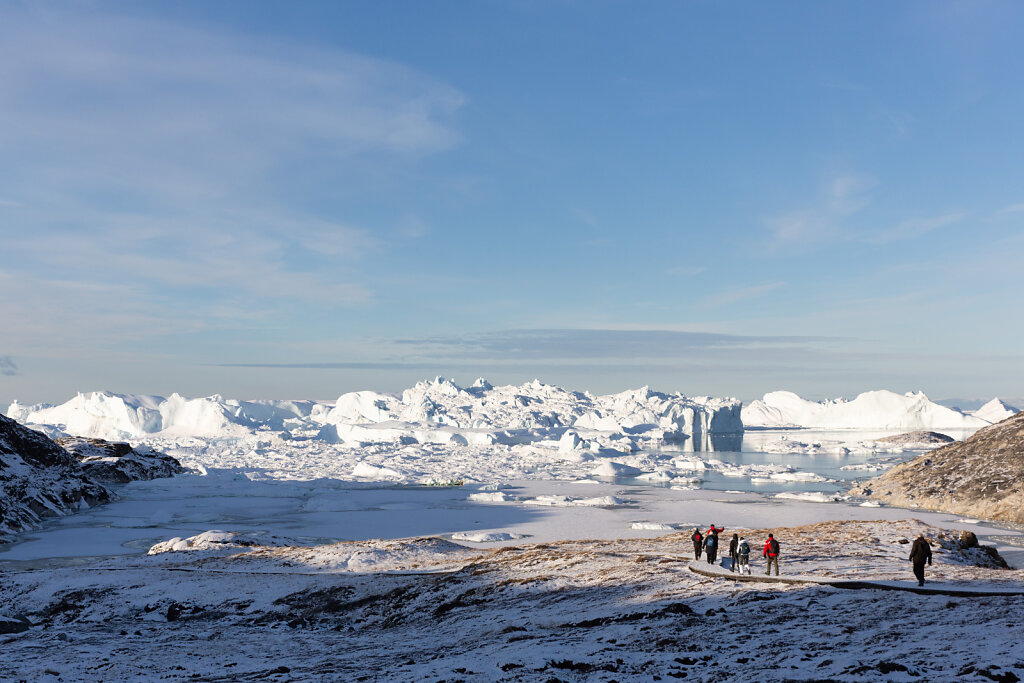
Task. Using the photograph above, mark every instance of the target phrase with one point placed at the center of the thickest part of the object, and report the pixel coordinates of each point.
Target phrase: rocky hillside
(40, 478)
(982, 476)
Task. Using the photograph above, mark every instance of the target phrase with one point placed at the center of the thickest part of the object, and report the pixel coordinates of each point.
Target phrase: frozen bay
(325, 509)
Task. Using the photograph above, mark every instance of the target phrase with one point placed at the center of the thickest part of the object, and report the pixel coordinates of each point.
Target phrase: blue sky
(266, 199)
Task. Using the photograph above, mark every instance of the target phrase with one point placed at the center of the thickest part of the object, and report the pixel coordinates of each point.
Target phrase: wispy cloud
(914, 227)
(1010, 210)
(171, 161)
(8, 367)
(841, 197)
(829, 219)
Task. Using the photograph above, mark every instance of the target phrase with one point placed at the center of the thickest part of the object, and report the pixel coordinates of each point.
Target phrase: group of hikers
(739, 550)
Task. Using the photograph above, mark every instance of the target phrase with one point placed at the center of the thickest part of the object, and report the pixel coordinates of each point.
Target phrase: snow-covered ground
(484, 533)
(623, 609)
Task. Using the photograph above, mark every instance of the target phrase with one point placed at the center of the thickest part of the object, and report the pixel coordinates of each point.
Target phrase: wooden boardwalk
(958, 590)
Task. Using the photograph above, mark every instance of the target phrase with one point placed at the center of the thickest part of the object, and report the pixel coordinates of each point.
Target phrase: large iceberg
(870, 410)
(440, 411)
(431, 412)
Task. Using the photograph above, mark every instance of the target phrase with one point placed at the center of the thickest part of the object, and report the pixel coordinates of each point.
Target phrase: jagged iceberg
(431, 412)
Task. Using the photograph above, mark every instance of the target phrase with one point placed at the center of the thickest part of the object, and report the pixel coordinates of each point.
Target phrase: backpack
(773, 547)
(744, 548)
(711, 541)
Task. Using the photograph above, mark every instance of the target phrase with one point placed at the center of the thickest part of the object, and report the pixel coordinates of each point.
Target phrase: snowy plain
(454, 533)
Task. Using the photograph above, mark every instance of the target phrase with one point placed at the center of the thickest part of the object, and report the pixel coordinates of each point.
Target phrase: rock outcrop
(921, 438)
(982, 476)
(39, 479)
(114, 462)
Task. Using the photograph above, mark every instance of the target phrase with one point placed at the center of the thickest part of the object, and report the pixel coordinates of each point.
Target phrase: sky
(296, 200)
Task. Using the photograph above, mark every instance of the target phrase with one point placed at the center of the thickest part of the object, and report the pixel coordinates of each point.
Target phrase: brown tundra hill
(982, 476)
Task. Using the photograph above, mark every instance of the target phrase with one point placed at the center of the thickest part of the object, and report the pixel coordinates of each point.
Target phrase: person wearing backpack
(771, 554)
(743, 549)
(711, 547)
(734, 554)
(698, 543)
(920, 552)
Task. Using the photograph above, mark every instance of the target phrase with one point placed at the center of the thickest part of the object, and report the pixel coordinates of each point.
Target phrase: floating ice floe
(486, 536)
(660, 475)
(614, 469)
(651, 526)
(489, 497)
(809, 496)
(367, 471)
(567, 501)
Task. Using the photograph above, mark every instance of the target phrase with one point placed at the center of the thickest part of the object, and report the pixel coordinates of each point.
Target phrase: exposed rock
(14, 624)
(39, 479)
(113, 462)
(920, 437)
(982, 476)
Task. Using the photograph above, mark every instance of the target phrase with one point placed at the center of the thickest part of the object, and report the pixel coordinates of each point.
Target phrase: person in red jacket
(771, 554)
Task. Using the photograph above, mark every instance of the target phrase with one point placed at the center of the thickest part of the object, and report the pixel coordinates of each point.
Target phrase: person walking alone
(771, 554)
(920, 552)
(698, 543)
(734, 554)
(711, 546)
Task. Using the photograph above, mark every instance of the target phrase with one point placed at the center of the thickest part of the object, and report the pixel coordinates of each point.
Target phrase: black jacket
(921, 551)
(734, 546)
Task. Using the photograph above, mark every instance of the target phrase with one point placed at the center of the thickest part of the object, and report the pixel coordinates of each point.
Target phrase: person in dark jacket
(698, 543)
(734, 553)
(920, 553)
(771, 554)
(711, 546)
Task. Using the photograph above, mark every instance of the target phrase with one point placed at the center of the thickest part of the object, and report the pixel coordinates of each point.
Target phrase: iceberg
(870, 410)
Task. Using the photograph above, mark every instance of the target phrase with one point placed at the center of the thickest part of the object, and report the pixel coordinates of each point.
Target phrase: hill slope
(39, 479)
(982, 476)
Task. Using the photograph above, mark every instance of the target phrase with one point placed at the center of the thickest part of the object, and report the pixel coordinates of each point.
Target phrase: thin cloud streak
(8, 368)
(164, 163)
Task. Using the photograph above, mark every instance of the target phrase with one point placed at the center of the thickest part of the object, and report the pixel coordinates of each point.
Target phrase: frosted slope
(870, 410)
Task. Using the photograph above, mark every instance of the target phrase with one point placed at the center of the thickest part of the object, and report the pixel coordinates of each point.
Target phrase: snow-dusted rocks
(113, 462)
(982, 476)
(870, 410)
(39, 479)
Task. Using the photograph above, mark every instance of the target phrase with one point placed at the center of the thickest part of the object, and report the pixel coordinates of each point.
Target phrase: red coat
(767, 548)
